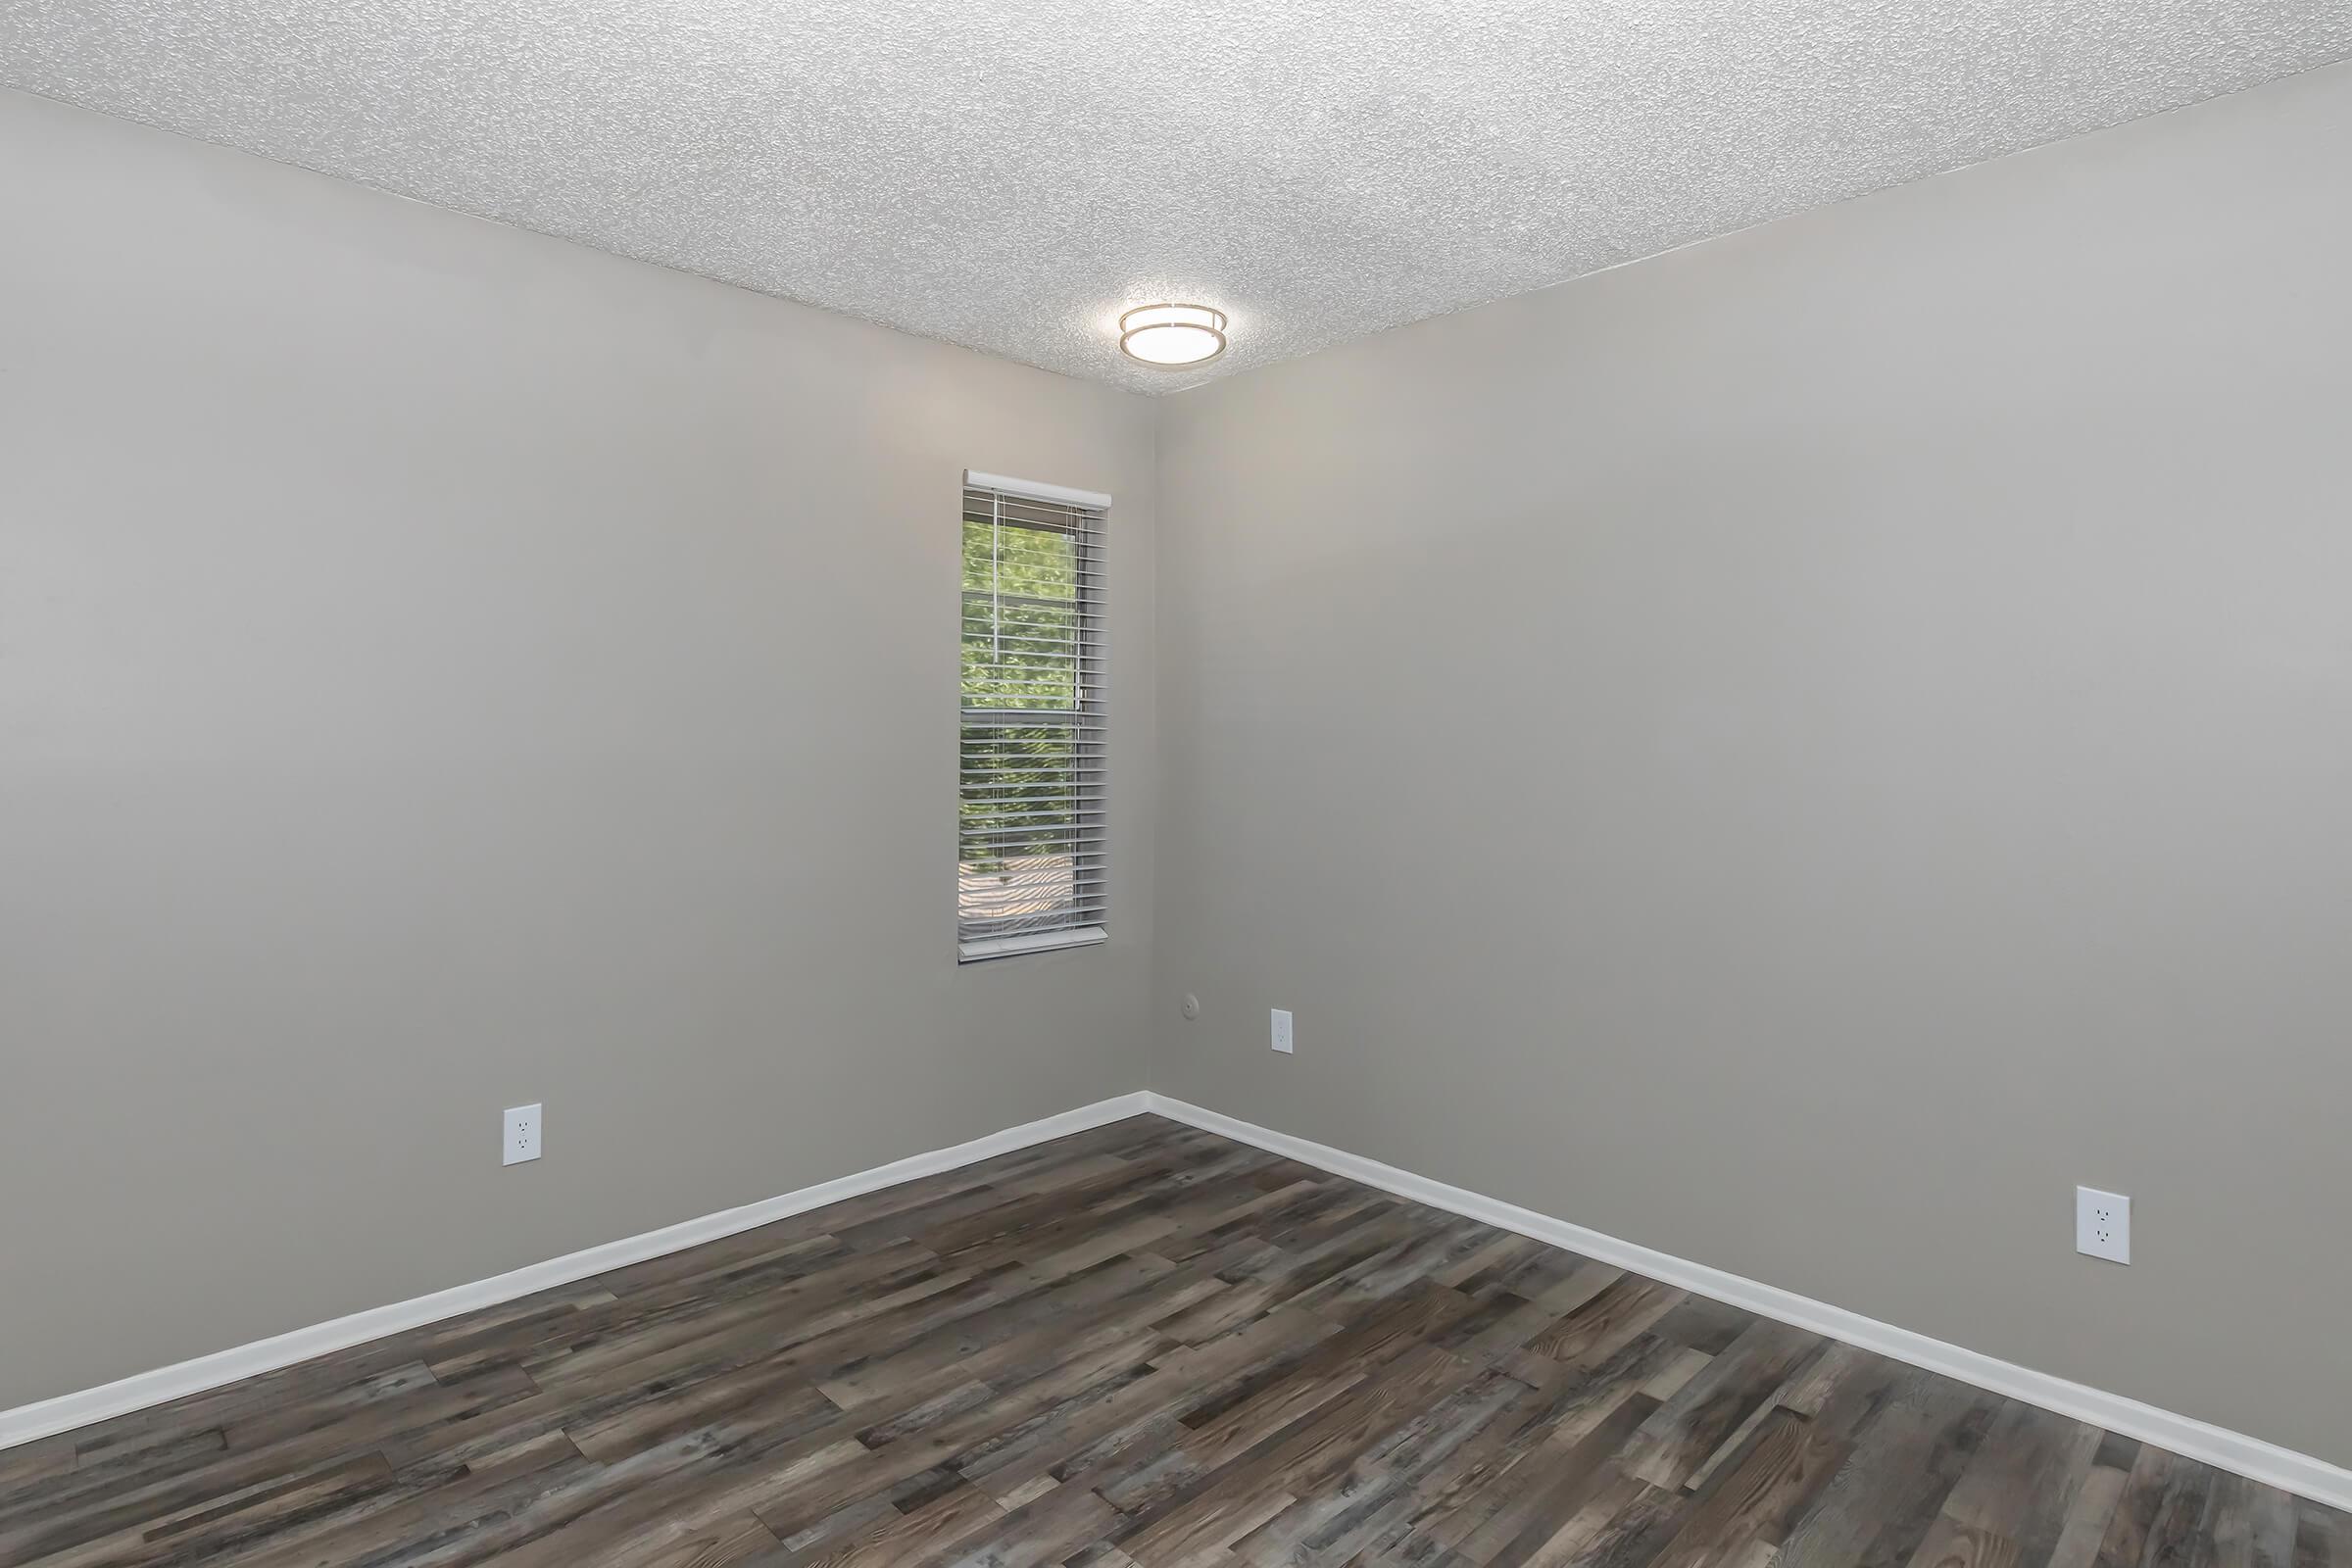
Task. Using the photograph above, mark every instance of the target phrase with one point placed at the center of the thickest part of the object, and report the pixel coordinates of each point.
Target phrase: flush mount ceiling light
(1169, 337)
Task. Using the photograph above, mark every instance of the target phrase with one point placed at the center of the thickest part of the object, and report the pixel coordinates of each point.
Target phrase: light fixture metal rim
(1223, 320)
(1218, 331)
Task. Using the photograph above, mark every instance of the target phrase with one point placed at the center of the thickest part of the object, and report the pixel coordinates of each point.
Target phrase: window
(1030, 869)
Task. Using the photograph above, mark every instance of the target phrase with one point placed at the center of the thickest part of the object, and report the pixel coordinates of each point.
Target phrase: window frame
(1087, 720)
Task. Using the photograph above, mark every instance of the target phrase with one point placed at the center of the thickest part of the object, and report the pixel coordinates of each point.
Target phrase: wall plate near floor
(1282, 1030)
(521, 1141)
(2103, 1224)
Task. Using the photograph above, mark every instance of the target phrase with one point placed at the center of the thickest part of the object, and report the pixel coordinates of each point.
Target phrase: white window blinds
(1031, 833)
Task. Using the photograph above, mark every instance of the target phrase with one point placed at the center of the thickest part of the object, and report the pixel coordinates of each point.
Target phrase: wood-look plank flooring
(1144, 1346)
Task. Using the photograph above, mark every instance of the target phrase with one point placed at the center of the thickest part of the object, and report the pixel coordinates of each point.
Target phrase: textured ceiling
(1010, 174)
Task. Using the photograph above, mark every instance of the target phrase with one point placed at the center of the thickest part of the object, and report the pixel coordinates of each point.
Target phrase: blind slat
(1031, 842)
(1029, 719)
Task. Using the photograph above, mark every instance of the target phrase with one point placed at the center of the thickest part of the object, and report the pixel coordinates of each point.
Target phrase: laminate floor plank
(1139, 1346)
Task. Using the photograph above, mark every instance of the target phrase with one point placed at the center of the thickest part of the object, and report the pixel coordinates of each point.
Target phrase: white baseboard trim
(2234, 1452)
(2223, 1450)
(137, 1393)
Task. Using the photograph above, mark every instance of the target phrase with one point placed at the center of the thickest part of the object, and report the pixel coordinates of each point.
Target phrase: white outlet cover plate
(520, 1140)
(1282, 1030)
(2103, 1224)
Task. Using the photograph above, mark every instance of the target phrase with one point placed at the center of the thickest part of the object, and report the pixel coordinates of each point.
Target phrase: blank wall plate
(1282, 1030)
(521, 1138)
(2103, 1224)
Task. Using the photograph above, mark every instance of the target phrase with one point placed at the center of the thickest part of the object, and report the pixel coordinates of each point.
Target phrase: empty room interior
(1037, 782)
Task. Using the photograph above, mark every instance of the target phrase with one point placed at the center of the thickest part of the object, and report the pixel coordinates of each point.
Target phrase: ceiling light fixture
(1169, 337)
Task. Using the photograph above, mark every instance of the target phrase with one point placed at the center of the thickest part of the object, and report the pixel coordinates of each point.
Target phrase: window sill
(1085, 936)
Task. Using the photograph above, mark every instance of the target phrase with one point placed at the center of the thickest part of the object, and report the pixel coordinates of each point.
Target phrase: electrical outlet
(2103, 1224)
(521, 1140)
(1282, 1030)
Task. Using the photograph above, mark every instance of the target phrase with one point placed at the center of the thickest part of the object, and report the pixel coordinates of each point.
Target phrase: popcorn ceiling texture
(1009, 174)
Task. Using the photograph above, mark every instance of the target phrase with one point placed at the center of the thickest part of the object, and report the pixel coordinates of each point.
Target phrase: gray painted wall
(442, 668)
(1881, 686)
(1799, 752)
